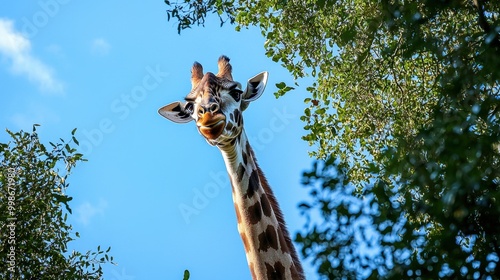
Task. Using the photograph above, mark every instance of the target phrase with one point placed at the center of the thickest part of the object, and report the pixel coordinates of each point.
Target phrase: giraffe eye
(236, 94)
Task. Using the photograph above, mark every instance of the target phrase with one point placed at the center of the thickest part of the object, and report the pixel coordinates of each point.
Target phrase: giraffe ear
(255, 88)
(176, 112)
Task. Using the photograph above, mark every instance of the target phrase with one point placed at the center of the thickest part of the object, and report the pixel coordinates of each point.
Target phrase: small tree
(34, 234)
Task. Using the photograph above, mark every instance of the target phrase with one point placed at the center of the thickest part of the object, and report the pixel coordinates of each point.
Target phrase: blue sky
(105, 67)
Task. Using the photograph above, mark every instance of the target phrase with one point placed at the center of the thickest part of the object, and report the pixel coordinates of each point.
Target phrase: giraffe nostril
(201, 111)
(214, 107)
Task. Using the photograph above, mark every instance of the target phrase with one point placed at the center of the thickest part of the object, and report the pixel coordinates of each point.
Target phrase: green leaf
(281, 85)
(186, 275)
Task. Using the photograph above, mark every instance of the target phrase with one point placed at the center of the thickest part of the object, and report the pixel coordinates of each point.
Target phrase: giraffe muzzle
(211, 125)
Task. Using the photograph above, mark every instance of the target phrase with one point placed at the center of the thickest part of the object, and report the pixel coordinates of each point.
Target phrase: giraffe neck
(269, 249)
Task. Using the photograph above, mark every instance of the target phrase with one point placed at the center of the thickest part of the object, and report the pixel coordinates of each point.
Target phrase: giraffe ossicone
(216, 103)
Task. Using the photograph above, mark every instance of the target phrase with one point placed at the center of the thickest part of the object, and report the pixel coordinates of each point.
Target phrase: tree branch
(483, 23)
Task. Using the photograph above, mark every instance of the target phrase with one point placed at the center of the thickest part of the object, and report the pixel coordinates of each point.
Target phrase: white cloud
(100, 46)
(16, 48)
(87, 211)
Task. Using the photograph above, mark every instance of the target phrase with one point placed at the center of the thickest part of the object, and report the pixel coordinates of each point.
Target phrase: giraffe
(216, 103)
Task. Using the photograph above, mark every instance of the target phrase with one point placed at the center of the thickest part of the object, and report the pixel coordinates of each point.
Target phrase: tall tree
(404, 115)
(34, 206)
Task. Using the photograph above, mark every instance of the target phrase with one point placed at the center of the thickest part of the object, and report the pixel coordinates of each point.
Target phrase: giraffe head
(216, 102)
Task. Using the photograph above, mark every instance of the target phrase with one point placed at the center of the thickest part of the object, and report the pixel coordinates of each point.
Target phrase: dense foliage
(404, 116)
(34, 233)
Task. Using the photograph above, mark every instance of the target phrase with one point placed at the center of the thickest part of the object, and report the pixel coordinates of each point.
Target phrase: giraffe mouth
(211, 126)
